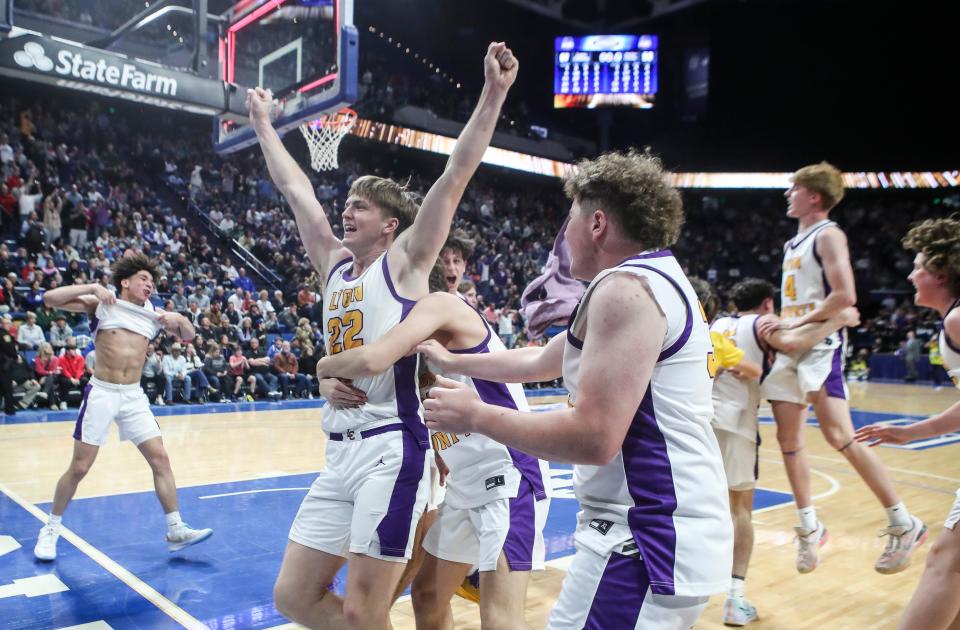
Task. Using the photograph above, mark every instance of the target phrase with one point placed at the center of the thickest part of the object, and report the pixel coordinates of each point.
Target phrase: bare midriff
(120, 356)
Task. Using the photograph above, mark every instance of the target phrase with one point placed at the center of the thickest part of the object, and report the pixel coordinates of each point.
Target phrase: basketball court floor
(243, 470)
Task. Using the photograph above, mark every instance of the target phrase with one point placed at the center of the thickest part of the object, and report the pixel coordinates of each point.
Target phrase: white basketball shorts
(477, 536)
(793, 377)
(740, 459)
(126, 405)
(369, 497)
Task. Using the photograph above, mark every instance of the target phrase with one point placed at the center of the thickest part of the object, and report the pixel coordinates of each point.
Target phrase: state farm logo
(33, 56)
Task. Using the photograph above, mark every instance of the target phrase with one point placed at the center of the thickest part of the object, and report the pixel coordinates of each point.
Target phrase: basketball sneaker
(46, 548)
(809, 542)
(900, 545)
(737, 612)
(470, 588)
(183, 536)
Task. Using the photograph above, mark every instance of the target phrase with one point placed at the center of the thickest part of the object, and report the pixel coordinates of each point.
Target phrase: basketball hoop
(324, 135)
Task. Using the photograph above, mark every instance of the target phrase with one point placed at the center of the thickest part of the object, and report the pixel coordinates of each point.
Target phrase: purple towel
(552, 296)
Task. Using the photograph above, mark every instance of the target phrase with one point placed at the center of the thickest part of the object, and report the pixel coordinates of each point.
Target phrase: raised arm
(623, 315)
(78, 298)
(520, 365)
(421, 243)
(431, 314)
(321, 244)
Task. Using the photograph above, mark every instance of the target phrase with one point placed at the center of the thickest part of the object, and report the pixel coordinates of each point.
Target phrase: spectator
(275, 348)
(264, 303)
(304, 333)
(216, 369)
(179, 300)
(244, 281)
(72, 368)
(152, 372)
(287, 367)
(289, 317)
(175, 370)
(505, 327)
(52, 207)
(199, 382)
(308, 368)
(239, 370)
(47, 367)
(912, 350)
(25, 383)
(59, 333)
(265, 381)
(30, 336)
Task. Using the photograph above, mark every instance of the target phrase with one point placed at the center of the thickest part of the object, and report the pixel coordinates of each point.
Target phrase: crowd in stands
(80, 183)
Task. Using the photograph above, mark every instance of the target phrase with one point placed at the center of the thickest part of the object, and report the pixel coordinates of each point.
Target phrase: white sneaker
(737, 611)
(809, 542)
(184, 536)
(160, 402)
(900, 545)
(46, 548)
(63, 405)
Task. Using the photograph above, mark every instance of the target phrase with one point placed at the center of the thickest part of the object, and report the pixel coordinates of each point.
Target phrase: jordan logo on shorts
(495, 482)
(601, 526)
(380, 463)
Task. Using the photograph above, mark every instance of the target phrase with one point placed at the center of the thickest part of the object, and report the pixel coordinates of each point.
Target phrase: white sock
(55, 522)
(737, 586)
(898, 516)
(808, 517)
(173, 520)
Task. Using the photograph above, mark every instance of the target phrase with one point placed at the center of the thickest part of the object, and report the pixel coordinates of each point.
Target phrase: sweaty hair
(750, 293)
(823, 178)
(393, 199)
(708, 298)
(460, 242)
(939, 242)
(437, 281)
(634, 189)
(129, 265)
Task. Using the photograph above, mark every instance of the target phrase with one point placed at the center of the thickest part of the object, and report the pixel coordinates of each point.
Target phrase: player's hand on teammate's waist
(340, 394)
(451, 406)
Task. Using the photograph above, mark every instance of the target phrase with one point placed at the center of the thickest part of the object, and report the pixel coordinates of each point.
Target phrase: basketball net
(323, 137)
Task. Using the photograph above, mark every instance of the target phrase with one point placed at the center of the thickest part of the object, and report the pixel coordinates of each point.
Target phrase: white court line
(837, 460)
(145, 590)
(233, 494)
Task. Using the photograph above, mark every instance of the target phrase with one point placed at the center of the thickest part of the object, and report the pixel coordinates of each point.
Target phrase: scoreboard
(605, 70)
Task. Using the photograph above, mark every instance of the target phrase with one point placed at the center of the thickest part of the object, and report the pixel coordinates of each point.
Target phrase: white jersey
(358, 311)
(950, 350)
(125, 315)
(667, 483)
(804, 285)
(735, 401)
(481, 469)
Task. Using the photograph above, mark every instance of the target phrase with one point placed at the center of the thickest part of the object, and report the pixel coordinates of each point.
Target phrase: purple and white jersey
(481, 469)
(804, 285)
(358, 311)
(667, 482)
(736, 400)
(125, 315)
(950, 351)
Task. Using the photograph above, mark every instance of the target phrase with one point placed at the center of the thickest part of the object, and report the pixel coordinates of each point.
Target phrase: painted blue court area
(225, 582)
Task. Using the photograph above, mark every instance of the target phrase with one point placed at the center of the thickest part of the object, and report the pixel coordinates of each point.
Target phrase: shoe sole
(903, 566)
(44, 559)
(183, 545)
(823, 543)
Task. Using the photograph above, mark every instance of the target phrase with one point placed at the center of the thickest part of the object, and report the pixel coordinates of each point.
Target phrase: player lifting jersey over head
(122, 327)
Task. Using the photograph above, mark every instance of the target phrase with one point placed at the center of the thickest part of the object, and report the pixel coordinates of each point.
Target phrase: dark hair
(708, 298)
(750, 293)
(130, 265)
(460, 241)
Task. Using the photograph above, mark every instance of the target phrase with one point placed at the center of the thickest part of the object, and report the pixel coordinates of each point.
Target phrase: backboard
(306, 51)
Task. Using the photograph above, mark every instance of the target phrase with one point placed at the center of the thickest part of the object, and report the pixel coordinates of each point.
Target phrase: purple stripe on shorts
(649, 477)
(687, 327)
(620, 594)
(394, 530)
(834, 382)
(78, 430)
(518, 546)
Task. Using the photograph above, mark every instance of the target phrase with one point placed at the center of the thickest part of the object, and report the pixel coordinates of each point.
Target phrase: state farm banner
(34, 57)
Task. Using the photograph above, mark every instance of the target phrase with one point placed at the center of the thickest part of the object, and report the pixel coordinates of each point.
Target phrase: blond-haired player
(936, 278)
(818, 284)
(364, 506)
